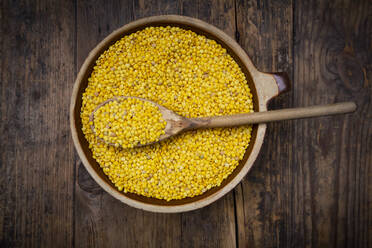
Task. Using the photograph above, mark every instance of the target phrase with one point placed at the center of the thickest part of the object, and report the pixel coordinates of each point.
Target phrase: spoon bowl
(175, 123)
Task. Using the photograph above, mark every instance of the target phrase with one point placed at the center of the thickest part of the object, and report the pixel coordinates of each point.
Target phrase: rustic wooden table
(311, 185)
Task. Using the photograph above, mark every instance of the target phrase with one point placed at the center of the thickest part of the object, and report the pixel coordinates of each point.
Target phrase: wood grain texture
(308, 191)
(36, 151)
(333, 159)
(263, 199)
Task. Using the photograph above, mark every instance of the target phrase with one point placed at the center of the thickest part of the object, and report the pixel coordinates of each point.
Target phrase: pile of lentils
(189, 74)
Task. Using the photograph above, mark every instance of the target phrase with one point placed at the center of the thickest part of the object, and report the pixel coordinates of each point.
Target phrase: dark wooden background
(310, 187)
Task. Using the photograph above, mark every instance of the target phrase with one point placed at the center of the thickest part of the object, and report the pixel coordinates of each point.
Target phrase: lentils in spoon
(127, 122)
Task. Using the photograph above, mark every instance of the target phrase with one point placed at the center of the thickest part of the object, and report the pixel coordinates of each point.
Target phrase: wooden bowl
(264, 86)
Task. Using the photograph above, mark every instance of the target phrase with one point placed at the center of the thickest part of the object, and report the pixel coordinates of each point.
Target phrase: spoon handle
(273, 115)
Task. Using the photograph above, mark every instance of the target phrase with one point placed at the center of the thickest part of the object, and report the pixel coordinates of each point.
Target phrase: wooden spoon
(177, 124)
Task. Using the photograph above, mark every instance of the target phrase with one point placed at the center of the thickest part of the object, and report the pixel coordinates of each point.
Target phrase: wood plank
(263, 199)
(145, 8)
(36, 154)
(333, 62)
(101, 220)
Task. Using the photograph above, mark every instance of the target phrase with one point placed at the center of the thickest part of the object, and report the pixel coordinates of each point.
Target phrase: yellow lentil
(129, 122)
(189, 74)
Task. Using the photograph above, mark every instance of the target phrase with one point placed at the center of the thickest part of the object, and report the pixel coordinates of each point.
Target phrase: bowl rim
(266, 89)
